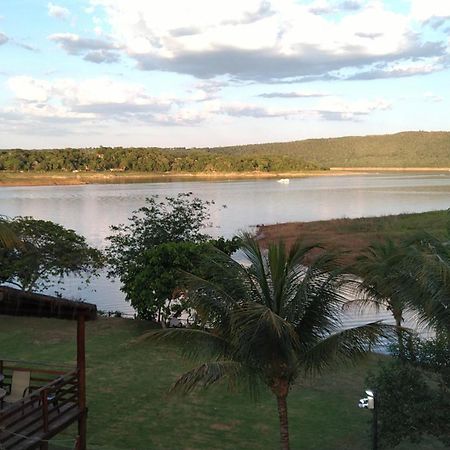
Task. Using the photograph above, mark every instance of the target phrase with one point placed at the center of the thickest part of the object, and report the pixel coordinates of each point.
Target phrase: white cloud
(302, 94)
(105, 100)
(29, 89)
(332, 108)
(57, 11)
(3, 38)
(96, 50)
(329, 7)
(424, 10)
(262, 39)
(74, 44)
(352, 108)
(400, 70)
(431, 97)
(91, 98)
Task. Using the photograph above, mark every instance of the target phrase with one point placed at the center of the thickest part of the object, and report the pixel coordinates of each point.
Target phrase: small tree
(409, 407)
(47, 252)
(432, 355)
(162, 239)
(153, 285)
(177, 219)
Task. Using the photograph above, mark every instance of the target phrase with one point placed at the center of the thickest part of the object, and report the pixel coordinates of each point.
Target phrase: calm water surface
(91, 209)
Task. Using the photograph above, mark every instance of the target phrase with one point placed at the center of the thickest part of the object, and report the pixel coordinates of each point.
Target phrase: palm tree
(385, 280)
(269, 322)
(412, 274)
(428, 262)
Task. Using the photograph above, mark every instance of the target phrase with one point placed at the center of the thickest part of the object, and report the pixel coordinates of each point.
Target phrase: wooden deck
(52, 406)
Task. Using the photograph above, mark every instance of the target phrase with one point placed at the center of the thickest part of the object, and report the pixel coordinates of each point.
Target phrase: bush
(409, 405)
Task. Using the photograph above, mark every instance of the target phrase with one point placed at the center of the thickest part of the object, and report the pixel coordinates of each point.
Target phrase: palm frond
(207, 374)
(346, 345)
(316, 309)
(260, 338)
(257, 274)
(194, 343)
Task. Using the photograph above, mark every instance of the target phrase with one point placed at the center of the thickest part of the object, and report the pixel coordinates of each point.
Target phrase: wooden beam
(81, 366)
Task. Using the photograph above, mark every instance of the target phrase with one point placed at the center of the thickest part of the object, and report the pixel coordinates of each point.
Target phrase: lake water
(239, 205)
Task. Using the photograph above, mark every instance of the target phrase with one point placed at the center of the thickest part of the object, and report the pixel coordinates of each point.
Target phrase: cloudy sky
(210, 72)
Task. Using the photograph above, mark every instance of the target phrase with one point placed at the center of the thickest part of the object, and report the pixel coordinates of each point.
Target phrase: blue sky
(205, 73)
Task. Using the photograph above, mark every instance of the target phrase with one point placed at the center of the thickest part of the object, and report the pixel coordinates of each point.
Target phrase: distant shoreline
(11, 179)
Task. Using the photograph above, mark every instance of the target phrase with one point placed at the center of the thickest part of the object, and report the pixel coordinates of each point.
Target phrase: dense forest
(149, 160)
(408, 149)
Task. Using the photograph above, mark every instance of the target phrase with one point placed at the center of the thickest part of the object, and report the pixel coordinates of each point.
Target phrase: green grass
(129, 405)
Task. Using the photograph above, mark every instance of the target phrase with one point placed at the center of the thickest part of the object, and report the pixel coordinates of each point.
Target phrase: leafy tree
(409, 407)
(177, 219)
(154, 286)
(48, 251)
(162, 239)
(269, 322)
(432, 355)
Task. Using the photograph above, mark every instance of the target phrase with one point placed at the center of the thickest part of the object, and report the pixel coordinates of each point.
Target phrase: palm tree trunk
(280, 388)
(401, 347)
(284, 426)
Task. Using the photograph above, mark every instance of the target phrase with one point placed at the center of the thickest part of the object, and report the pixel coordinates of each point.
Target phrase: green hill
(407, 149)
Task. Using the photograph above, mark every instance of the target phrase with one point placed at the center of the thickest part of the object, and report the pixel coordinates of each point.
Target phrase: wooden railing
(51, 405)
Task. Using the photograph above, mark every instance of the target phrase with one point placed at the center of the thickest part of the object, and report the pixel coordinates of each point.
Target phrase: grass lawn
(129, 405)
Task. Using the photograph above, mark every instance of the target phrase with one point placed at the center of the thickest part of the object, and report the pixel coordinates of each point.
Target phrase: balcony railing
(51, 405)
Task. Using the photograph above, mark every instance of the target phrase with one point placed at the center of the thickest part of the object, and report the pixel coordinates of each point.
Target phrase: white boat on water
(283, 181)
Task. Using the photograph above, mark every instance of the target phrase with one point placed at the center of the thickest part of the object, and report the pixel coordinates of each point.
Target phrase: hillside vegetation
(408, 149)
(402, 150)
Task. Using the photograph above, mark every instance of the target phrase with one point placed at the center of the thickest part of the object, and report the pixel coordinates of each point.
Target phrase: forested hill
(409, 149)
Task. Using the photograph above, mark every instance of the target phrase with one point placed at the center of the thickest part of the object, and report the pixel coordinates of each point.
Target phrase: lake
(239, 205)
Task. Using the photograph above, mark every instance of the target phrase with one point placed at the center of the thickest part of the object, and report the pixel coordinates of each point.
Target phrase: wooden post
(44, 401)
(81, 365)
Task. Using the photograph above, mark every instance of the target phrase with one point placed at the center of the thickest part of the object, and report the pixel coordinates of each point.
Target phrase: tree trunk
(280, 388)
(284, 426)
(401, 347)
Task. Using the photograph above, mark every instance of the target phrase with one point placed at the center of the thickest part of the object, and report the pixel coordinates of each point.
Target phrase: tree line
(154, 160)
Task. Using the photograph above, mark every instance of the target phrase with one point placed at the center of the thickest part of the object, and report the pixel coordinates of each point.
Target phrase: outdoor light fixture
(371, 402)
(367, 402)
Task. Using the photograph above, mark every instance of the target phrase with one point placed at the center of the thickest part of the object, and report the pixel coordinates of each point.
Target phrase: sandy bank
(70, 178)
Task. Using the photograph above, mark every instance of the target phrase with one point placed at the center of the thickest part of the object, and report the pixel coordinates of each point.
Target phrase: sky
(178, 73)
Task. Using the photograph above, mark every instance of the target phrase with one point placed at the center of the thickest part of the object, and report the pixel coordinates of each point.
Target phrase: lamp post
(371, 402)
